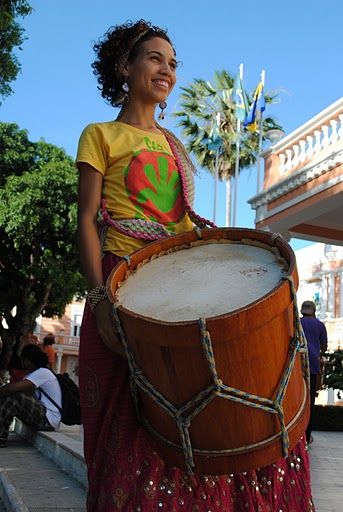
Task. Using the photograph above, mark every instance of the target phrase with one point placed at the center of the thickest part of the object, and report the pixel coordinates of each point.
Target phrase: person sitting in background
(15, 368)
(25, 401)
(48, 349)
(316, 336)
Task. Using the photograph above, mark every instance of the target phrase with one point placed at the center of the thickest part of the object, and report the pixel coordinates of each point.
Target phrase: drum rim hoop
(207, 234)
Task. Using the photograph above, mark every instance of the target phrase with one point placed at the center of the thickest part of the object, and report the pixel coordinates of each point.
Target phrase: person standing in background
(316, 336)
(48, 349)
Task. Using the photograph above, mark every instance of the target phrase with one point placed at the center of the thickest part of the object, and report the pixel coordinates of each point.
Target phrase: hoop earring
(125, 87)
(163, 106)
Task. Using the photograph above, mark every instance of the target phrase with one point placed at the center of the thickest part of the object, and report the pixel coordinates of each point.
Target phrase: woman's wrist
(96, 295)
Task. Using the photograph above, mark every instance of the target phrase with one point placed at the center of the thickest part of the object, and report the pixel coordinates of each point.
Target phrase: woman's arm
(90, 188)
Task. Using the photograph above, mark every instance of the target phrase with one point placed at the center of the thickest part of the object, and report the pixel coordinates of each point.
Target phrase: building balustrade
(321, 134)
(316, 145)
(304, 150)
(302, 187)
(64, 342)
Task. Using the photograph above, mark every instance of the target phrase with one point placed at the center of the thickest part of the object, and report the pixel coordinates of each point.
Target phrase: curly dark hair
(35, 355)
(119, 46)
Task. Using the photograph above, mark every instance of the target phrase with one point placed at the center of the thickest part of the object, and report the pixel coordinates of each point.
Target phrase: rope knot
(183, 422)
(198, 232)
(128, 260)
(275, 236)
(218, 386)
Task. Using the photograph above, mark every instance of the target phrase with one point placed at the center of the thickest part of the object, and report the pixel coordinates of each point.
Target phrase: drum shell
(251, 347)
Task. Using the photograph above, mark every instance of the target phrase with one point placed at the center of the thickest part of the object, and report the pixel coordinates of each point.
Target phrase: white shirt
(45, 379)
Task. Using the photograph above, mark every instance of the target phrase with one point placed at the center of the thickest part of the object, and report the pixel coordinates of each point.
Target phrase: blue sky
(298, 43)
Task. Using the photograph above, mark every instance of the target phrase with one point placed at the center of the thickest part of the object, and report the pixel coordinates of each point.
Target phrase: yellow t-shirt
(141, 179)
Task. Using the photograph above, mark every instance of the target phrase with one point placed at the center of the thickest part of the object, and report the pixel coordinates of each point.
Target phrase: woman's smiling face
(152, 74)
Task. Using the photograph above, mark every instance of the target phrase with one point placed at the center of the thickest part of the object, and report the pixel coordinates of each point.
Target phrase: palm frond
(199, 104)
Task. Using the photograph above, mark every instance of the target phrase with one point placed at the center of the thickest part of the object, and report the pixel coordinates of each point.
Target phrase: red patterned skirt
(124, 473)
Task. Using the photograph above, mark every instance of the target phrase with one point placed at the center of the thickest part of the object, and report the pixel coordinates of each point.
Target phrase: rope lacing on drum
(298, 330)
(216, 389)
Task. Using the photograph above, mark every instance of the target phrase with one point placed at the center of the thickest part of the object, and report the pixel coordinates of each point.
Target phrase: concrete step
(2, 506)
(64, 447)
(31, 482)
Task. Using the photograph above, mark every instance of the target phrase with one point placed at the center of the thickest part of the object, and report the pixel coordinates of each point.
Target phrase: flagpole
(258, 187)
(215, 187)
(238, 136)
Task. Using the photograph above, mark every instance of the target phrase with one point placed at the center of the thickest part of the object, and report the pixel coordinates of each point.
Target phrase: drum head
(206, 280)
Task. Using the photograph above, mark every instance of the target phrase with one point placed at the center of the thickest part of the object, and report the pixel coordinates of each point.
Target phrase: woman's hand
(104, 321)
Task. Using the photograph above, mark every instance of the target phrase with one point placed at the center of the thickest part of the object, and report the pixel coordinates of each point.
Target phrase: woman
(26, 399)
(143, 174)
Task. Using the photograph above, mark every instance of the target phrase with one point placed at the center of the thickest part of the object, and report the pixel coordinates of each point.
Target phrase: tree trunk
(216, 177)
(22, 323)
(228, 202)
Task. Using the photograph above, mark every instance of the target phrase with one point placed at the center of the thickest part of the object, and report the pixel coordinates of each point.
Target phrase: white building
(320, 268)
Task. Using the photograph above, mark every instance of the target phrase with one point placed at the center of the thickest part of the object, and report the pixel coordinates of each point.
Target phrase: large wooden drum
(213, 339)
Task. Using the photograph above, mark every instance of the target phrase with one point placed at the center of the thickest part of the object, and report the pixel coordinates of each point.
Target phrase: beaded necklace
(149, 230)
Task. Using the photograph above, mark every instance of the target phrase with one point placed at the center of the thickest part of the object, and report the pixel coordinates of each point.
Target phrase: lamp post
(275, 135)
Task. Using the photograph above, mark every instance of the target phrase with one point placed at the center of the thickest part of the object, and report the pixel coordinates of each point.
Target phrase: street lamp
(275, 135)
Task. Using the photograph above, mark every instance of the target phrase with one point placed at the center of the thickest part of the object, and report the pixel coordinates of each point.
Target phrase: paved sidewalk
(326, 455)
(54, 490)
(34, 483)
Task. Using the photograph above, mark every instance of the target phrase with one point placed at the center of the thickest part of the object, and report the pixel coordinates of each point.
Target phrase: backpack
(70, 410)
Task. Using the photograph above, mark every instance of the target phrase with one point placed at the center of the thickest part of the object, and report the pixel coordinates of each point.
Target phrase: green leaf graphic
(163, 193)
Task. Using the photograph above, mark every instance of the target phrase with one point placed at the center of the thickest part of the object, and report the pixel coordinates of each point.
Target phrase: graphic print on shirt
(153, 185)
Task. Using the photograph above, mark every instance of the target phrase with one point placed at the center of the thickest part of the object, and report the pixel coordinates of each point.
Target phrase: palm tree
(200, 104)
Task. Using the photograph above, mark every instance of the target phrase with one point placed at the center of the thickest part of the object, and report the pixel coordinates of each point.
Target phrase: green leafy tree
(200, 103)
(39, 266)
(333, 376)
(11, 37)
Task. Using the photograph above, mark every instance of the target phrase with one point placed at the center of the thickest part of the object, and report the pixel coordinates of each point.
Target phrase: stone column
(330, 311)
(59, 355)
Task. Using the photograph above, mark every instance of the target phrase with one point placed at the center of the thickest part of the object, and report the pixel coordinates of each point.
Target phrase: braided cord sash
(186, 413)
(136, 228)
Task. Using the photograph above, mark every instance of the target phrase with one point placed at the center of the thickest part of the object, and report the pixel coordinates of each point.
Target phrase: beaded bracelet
(96, 295)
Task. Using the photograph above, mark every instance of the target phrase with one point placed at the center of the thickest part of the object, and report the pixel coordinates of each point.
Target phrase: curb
(9, 495)
(63, 451)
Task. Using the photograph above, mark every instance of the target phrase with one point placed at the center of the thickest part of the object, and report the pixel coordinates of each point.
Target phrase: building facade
(302, 194)
(320, 268)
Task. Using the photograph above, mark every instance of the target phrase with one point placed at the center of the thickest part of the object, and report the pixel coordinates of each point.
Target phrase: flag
(240, 100)
(256, 108)
(214, 140)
